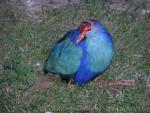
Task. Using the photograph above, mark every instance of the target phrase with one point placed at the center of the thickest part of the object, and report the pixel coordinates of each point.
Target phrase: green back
(64, 58)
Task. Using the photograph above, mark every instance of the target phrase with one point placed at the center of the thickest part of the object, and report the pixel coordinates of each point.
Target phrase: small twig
(7, 108)
(114, 85)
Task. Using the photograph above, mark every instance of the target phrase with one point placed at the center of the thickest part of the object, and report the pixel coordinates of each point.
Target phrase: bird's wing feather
(64, 57)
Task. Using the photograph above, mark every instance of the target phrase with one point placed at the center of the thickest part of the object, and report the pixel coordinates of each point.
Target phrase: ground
(27, 34)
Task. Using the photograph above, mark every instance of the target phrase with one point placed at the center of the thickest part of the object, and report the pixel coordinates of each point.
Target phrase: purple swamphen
(82, 53)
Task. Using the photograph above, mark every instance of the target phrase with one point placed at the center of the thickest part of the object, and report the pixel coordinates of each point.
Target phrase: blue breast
(98, 50)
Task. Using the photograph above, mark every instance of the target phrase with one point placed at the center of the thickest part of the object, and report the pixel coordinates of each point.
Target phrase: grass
(24, 44)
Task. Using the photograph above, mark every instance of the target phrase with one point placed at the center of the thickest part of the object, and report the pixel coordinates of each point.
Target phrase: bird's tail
(48, 68)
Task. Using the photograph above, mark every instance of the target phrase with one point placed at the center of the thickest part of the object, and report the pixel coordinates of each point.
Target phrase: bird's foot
(70, 83)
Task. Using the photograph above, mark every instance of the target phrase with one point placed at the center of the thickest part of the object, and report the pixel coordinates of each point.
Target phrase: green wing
(64, 58)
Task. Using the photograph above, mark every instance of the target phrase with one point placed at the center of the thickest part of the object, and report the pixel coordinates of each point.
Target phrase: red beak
(83, 29)
(81, 37)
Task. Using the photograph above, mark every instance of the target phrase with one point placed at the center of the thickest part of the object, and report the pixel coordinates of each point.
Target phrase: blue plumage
(82, 53)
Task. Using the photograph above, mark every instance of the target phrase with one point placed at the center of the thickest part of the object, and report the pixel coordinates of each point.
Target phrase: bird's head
(84, 27)
(88, 28)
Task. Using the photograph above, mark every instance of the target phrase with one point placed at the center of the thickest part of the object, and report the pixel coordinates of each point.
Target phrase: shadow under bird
(82, 54)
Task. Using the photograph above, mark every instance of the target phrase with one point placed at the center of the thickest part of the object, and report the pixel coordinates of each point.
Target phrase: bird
(82, 53)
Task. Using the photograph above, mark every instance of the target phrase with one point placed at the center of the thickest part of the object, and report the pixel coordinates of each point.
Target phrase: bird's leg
(71, 81)
(65, 79)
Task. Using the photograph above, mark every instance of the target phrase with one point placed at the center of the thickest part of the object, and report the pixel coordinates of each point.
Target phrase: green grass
(25, 43)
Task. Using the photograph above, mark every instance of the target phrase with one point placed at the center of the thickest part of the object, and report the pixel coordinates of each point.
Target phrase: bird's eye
(89, 29)
(84, 23)
(85, 26)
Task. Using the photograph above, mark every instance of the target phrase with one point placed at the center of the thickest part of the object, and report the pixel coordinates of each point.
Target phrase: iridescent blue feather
(85, 60)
